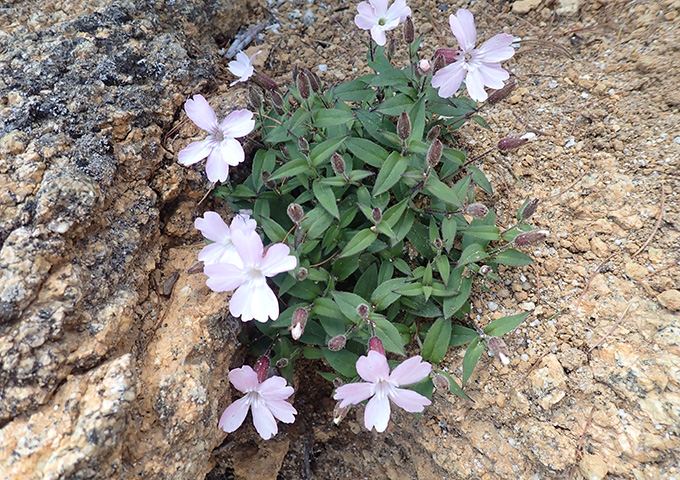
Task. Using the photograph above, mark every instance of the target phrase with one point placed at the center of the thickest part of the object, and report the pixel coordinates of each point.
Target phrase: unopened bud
(295, 213)
(301, 274)
(376, 215)
(437, 244)
(338, 164)
(450, 55)
(477, 210)
(501, 94)
(376, 345)
(409, 30)
(338, 382)
(265, 81)
(314, 80)
(262, 368)
(529, 209)
(434, 133)
(277, 101)
(282, 363)
(529, 238)
(441, 383)
(404, 126)
(424, 66)
(255, 98)
(303, 145)
(484, 270)
(439, 63)
(265, 179)
(434, 153)
(303, 85)
(499, 349)
(391, 47)
(511, 143)
(299, 322)
(337, 343)
(340, 412)
(363, 310)
(284, 150)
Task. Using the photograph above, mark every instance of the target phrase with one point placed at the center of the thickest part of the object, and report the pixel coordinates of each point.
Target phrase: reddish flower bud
(265, 81)
(441, 383)
(434, 153)
(409, 30)
(313, 79)
(529, 209)
(303, 85)
(338, 382)
(284, 150)
(303, 145)
(529, 238)
(477, 210)
(511, 143)
(338, 164)
(434, 133)
(450, 55)
(499, 349)
(301, 274)
(262, 368)
(376, 345)
(299, 322)
(282, 363)
(501, 94)
(337, 343)
(340, 413)
(295, 213)
(437, 243)
(404, 126)
(363, 310)
(277, 100)
(376, 215)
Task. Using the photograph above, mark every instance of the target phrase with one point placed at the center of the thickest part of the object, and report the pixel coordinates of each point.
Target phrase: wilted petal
(353, 393)
(282, 410)
(373, 367)
(449, 79)
(409, 400)
(377, 413)
(224, 277)
(264, 420)
(201, 113)
(233, 416)
(496, 49)
(243, 379)
(238, 123)
(216, 169)
(463, 28)
(410, 371)
(195, 151)
(277, 260)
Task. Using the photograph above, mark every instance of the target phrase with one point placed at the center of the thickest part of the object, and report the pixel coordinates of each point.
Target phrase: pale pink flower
(213, 228)
(221, 146)
(253, 298)
(242, 67)
(479, 66)
(383, 387)
(267, 400)
(376, 17)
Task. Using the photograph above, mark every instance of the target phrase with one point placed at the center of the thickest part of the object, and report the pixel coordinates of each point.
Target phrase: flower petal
(377, 413)
(243, 222)
(219, 253)
(380, 6)
(201, 113)
(231, 152)
(409, 400)
(493, 75)
(282, 410)
(366, 18)
(463, 27)
(233, 416)
(378, 35)
(449, 78)
(264, 421)
(475, 85)
(275, 388)
(410, 371)
(399, 11)
(238, 123)
(212, 227)
(353, 393)
(277, 259)
(244, 379)
(195, 151)
(216, 169)
(496, 49)
(254, 300)
(224, 277)
(373, 367)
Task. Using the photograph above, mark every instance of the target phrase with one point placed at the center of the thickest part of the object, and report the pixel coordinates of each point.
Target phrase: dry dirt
(593, 389)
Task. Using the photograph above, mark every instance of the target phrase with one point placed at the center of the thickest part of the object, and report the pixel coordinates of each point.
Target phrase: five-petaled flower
(267, 400)
(253, 298)
(376, 17)
(222, 250)
(383, 386)
(221, 146)
(242, 67)
(479, 66)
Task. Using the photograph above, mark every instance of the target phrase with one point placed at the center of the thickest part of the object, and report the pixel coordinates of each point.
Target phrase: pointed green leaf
(513, 258)
(324, 194)
(472, 254)
(472, 354)
(390, 173)
(389, 334)
(437, 340)
(367, 151)
(360, 242)
(343, 361)
(501, 326)
(324, 150)
(328, 117)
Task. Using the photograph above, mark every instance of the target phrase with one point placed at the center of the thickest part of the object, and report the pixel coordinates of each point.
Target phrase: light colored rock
(548, 383)
(670, 299)
(593, 467)
(598, 247)
(568, 7)
(525, 6)
(635, 271)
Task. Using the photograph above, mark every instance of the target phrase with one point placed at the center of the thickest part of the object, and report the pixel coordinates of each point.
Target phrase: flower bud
(391, 48)
(262, 368)
(277, 101)
(484, 270)
(338, 164)
(529, 209)
(363, 310)
(337, 343)
(499, 349)
(265, 179)
(511, 142)
(501, 94)
(434, 133)
(338, 382)
(434, 153)
(282, 363)
(529, 238)
(477, 210)
(376, 215)
(424, 66)
(255, 98)
(404, 126)
(298, 323)
(441, 383)
(303, 85)
(314, 80)
(301, 274)
(340, 412)
(295, 213)
(439, 63)
(284, 151)
(375, 344)
(409, 30)
(450, 55)
(437, 244)
(303, 145)
(265, 81)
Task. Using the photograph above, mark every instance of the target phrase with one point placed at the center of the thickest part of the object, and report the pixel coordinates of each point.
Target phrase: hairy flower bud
(391, 48)
(441, 383)
(338, 164)
(255, 98)
(529, 209)
(301, 274)
(340, 413)
(484, 270)
(312, 78)
(363, 310)
(437, 244)
(424, 66)
(511, 142)
(501, 94)
(434, 133)
(529, 238)
(404, 126)
(434, 153)
(409, 30)
(303, 145)
(265, 81)
(265, 179)
(375, 344)
(262, 368)
(439, 63)
(277, 101)
(299, 322)
(282, 363)
(303, 85)
(450, 55)
(284, 151)
(477, 210)
(499, 349)
(376, 215)
(295, 213)
(337, 343)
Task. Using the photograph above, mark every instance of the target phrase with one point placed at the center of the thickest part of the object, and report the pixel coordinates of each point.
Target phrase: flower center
(467, 56)
(382, 22)
(384, 387)
(218, 135)
(255, 275)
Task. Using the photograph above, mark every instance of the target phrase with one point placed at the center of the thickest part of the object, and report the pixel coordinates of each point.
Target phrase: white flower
(214, 229)
(376, 17)
(242, 67)
(221, 146)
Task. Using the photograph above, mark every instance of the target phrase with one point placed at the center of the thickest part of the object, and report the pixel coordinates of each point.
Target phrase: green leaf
(449, 227)
(472, 354)
(367, 282)
(483, 232)
(437, 340)
(343, 361)
(472, 254)
(348, 303)
(454, 387)
(333, 326)
(389, 335)
(480, 179)
(513, 258)
(386, 294)
(443, 192)
(417, 116)
(389, 78)
(501, 326)
(355, 90)
(317, 222)
(419, 236)
(453, 304)
(390, 173)
(360, 242)
(326, 307)
(461, 335)
(324, 194)
(443, 267)
(312, 353)
(324, 150)
(393, 106)
(367, 151)
(292, 168)
(344, 267)
(274, 231)
(330, 117)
